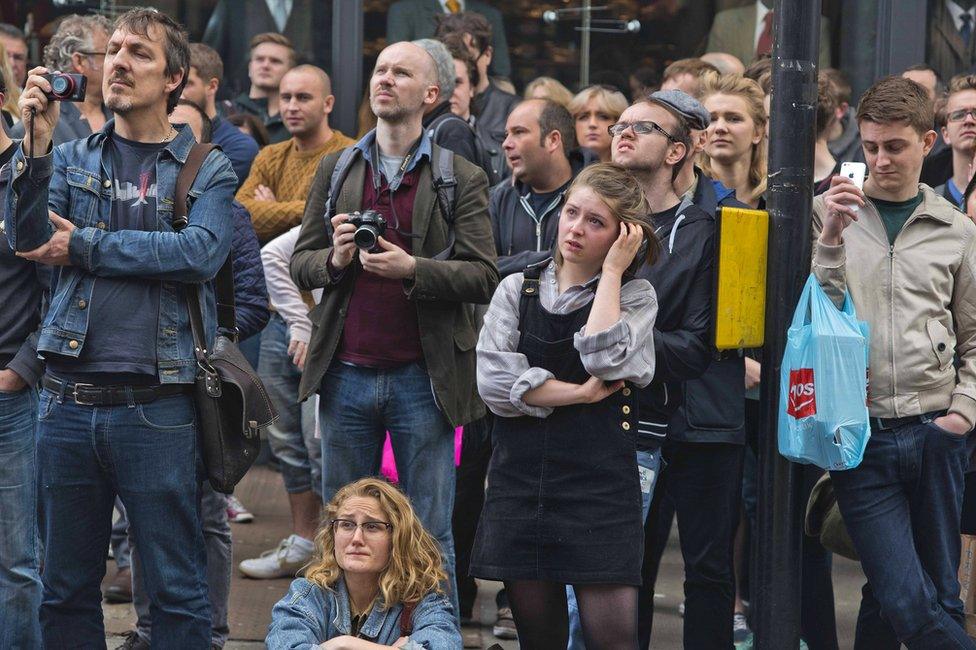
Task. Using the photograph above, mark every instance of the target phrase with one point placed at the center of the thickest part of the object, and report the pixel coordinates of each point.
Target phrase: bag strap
(445, 187)
(406, 619)
(224, 281)
(339, 174)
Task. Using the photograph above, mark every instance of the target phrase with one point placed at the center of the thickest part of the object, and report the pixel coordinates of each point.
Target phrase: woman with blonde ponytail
(735, 145)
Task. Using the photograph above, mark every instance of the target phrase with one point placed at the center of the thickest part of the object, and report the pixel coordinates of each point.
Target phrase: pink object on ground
(388, 468)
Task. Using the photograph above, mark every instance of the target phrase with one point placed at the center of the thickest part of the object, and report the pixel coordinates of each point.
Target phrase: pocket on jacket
(465, 338)
(941, 340)
(716, 400)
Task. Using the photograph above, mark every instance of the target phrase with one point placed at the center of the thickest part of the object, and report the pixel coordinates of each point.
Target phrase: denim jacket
(309, 615)
(74, 181)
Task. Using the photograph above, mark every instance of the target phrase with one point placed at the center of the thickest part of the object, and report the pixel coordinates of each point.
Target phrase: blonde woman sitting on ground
(374, 582)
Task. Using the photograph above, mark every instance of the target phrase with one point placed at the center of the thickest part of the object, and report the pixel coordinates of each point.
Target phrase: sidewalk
(251, 600)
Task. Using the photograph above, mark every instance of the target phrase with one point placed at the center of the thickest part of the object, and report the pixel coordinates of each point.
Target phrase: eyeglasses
(371, 529)
(640, 128)
(960, 115)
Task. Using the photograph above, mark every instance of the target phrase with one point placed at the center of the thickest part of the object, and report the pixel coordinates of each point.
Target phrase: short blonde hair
(609, 101)
(415, 567)
(548, 88)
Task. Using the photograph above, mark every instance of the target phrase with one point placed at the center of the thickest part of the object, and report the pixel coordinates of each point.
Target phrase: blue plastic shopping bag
(823, 413)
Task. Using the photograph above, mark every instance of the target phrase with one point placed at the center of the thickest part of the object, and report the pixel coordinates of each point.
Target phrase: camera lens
(365, 237)
(61, 85)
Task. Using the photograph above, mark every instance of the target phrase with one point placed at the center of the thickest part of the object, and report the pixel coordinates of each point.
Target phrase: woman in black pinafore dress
(563, 346)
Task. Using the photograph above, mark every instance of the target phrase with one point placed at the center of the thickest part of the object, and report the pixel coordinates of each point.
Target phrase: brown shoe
(119, 591)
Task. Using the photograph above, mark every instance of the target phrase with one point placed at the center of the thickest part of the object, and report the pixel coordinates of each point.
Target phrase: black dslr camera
(66, 86)
(370, 226)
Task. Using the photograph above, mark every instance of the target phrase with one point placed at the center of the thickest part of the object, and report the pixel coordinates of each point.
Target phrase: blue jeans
(148, 455)
(292, 436)
(649, 465)
(217, 538)
(902, 506)
(20, 584)
(357, 406)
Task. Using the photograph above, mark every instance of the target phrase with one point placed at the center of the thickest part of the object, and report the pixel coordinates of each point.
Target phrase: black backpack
(485, 152)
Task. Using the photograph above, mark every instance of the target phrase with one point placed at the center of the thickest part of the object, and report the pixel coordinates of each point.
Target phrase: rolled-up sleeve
(504, 374)
(625, 350)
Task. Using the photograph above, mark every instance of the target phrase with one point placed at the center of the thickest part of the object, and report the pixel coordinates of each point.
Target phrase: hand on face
(624, 249)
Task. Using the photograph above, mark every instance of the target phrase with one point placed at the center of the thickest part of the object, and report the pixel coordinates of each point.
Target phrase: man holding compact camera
(392, 345)
(116, 416)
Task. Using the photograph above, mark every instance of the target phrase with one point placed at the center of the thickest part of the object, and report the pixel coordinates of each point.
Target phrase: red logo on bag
(803, 399)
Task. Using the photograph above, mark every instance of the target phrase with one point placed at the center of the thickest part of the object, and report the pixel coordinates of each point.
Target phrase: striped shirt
(624, 351)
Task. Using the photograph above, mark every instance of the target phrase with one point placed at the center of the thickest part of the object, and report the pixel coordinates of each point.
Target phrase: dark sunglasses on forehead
(643, 127)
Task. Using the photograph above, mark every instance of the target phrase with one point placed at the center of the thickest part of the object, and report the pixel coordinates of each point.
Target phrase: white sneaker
(285, 561)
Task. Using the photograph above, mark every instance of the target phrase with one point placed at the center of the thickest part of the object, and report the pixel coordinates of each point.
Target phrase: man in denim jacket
(116, 416)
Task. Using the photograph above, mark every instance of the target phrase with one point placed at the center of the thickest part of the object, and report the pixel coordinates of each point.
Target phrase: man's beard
(395, 113)
(119, 105)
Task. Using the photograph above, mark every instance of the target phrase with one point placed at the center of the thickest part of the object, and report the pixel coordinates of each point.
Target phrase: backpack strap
(339, 174)
(224, 281)
(445, 186)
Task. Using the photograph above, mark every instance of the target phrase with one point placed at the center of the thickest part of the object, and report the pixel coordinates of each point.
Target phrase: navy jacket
(239, 147)
(711, 406)
(520, 240)
(250, 292)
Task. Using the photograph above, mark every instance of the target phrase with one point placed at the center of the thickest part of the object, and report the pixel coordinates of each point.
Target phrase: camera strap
(374, 161)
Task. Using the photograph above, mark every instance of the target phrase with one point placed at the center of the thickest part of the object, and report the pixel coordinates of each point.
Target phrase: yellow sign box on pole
(740, 281)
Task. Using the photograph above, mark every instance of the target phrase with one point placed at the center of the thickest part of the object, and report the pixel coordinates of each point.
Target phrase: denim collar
(179, 147)
(343, 619)
(424, 150)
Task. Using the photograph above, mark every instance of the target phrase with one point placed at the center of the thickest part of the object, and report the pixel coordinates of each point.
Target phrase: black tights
(608, 615)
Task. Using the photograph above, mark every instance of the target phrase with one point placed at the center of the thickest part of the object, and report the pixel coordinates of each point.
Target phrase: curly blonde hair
(415, 567)
(750, 91)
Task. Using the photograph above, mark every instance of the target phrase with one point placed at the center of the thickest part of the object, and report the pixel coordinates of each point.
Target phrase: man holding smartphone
(116, 416)
(908, 259)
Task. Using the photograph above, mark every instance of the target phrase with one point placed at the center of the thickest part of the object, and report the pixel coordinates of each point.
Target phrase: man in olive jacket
(393, 339)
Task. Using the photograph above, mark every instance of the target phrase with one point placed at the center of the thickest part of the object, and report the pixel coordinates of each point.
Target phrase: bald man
(392, 344)
(725, 62)
(274, 192)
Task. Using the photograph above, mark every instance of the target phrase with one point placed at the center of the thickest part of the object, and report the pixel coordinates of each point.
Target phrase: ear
(759, 135)
(928, 141)
(329, 103)
(76, 62)
(213, 85)
(676, 153)
(432, 95)
(554, 141)
(945, 135)
(174, 80)
(489, 53)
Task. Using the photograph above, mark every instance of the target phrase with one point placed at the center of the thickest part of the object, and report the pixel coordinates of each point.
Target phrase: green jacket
(441, 290)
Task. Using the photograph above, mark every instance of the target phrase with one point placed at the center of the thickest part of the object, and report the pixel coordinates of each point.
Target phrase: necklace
(172, 133)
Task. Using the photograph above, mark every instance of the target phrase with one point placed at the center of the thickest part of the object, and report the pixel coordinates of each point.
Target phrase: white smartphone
(855, 171)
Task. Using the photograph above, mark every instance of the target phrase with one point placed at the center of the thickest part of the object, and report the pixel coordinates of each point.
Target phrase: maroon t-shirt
(381, 329)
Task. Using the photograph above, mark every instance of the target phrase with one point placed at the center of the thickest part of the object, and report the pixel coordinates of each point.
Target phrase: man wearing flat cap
(692, 413)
